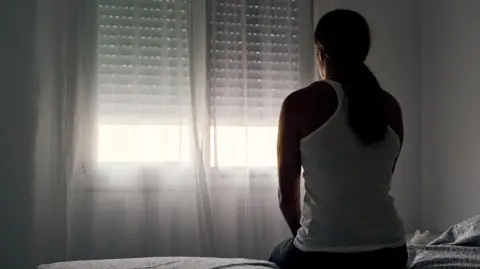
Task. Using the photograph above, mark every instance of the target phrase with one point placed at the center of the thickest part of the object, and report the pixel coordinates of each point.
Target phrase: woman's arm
(289, 166)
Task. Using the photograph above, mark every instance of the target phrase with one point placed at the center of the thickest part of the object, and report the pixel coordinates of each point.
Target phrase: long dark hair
(342, 38)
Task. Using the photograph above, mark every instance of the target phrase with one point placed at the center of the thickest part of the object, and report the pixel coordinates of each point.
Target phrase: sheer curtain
(157, 125)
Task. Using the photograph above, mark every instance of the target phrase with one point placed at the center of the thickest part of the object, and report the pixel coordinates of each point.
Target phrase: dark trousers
(287, 256)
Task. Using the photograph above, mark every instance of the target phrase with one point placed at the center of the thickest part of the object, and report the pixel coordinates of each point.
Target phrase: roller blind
(254, 58)
(143, 61)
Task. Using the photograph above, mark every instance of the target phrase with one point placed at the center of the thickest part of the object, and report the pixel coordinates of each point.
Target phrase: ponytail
(366, 114)
(343, 40)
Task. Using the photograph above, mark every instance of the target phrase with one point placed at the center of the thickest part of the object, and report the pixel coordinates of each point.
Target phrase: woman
(346, 133)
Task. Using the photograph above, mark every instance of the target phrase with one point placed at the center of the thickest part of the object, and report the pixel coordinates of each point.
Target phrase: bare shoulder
(317, 91)
(310, 107)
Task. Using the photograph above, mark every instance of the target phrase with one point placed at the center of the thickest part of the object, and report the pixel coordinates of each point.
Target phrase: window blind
(143, 61)
(254, 58)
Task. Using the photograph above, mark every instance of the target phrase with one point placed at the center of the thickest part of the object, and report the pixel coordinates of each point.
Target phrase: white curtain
(157, 125)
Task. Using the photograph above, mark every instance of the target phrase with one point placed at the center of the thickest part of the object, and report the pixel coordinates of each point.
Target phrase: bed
(456, 248)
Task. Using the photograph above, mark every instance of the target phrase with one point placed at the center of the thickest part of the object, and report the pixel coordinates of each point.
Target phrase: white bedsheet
(163, 263)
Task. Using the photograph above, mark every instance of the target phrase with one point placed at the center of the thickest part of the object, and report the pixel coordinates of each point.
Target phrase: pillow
(420, 238)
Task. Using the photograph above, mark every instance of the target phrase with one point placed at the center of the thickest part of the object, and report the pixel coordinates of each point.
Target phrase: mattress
(163, 263)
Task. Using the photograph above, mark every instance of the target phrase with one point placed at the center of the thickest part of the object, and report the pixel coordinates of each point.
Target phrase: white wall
(450, 109)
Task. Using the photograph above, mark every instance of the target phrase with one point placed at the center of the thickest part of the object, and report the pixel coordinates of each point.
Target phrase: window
(143, 81)
(253, 67)
(144, 93)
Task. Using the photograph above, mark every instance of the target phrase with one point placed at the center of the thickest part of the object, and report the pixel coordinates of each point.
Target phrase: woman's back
(347, 204)
(346, 132)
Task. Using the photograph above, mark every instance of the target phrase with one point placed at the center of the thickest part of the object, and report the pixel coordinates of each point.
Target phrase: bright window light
(143, 143)
(230, 146)
(236, 146)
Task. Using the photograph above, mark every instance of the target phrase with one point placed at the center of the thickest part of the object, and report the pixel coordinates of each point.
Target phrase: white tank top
(347, 204)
